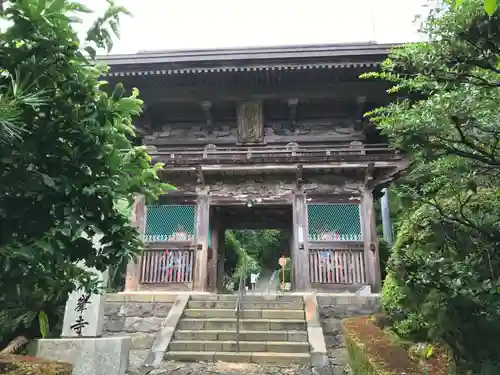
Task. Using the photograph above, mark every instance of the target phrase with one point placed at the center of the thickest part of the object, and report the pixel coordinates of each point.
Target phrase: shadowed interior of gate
(253, 216)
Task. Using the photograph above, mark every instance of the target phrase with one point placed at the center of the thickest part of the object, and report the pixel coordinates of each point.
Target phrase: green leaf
(43, 322)
(457, 3)
(49, 181)
(91, 51)
(490, 6)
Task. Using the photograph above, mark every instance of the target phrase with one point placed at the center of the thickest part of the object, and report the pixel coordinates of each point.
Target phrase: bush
(443, 278)
(18, 365)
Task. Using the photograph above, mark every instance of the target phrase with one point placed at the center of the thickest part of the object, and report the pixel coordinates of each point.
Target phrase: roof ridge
(259, 48)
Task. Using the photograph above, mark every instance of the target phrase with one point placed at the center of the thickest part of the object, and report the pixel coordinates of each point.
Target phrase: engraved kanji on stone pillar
(250, 119)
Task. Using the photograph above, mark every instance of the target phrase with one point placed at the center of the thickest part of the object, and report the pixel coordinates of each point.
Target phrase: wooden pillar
(201, 243)
(133, 275)
(300, 247)
(221, 256)
(212, 263)
(369, 227)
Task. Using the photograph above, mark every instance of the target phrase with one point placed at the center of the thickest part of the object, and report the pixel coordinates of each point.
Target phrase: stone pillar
(201, 242)
(386, 217)
(133, 276)
(369, 228)
(300, 246)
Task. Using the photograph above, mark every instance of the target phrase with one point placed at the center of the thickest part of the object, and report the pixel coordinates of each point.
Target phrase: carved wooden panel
(250, 122)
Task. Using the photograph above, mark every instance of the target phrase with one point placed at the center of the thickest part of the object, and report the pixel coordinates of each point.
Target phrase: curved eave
(253, 68)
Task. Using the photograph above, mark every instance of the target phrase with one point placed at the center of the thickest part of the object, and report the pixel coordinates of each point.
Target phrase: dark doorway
(260, 234)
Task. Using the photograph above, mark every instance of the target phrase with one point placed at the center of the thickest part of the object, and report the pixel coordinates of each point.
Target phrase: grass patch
(373, 351)
(24, 365)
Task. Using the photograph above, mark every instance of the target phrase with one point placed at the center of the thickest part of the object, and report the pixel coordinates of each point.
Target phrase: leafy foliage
(443, 280)
(490, 6)
(72, 160)
(443, 277)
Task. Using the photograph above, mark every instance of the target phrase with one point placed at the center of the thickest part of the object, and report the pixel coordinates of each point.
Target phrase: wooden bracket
(369, 176)
(361, 108)
(299, 176)
(292, 105)
(200, 178)
(207, 111)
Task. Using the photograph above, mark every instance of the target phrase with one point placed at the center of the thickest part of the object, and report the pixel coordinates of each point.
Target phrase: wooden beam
(284, 167)
(339, 90)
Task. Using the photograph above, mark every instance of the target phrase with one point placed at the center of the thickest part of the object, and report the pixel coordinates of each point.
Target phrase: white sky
(194, 24)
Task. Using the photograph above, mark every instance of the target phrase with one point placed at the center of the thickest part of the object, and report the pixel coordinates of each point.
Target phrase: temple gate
(274, 137)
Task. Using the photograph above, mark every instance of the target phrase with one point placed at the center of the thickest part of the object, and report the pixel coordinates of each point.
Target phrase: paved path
(265, 284)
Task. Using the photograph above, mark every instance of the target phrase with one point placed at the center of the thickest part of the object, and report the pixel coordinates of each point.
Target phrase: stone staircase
(273, 329)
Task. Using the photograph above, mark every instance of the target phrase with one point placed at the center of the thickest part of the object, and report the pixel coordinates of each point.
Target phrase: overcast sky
(195, 24)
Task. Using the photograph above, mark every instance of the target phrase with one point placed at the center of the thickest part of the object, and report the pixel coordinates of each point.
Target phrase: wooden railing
(337, 264)
(166, 266)
(290, 153)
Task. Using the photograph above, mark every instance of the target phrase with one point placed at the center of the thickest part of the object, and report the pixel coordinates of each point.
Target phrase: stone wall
(345, 305)
(137, 315)
(333, 308)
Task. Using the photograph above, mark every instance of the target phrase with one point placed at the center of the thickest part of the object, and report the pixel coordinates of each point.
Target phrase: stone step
(245, 346)
(291, 336)
(248, 357)
(229, 324)
(251, 314)
(248, 297)
(251, 305)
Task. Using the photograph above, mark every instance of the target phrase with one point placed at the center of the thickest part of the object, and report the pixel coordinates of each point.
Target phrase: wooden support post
(368, 222)
(212, 263)
(132, 279)
(201, 243)
(300, 248)
(221, 256)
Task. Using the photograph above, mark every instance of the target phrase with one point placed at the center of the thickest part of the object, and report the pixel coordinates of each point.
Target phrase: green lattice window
(334, 222)
(170, 223)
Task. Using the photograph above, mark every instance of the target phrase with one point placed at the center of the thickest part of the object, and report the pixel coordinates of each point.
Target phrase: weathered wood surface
(371, 248)
(201, 242)
(337, 266)
(250, 120)
(300, 246)
(354, 152)
(167, 266)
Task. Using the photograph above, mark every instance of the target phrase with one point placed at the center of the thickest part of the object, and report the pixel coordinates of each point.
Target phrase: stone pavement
(334, 342)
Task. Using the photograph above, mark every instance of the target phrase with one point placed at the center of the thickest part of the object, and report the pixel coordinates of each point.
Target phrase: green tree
(443, 271)
(70, 158)
(490, 6)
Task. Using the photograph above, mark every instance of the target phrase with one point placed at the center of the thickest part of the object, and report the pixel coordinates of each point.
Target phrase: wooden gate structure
(260, 127)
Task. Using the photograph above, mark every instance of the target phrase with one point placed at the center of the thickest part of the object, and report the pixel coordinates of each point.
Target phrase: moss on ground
(372, 352)
(24, 365)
